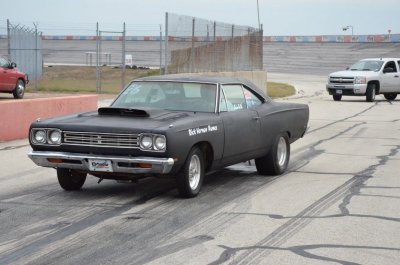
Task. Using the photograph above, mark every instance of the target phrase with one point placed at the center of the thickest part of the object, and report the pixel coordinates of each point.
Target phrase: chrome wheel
(194, 172)
(19, 90)
(281, 152)
(190, 178)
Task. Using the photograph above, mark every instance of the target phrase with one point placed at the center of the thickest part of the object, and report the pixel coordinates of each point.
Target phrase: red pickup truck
(11, 79)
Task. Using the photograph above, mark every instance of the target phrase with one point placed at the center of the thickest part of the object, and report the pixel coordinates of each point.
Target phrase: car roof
(205, 79)
(381, 59)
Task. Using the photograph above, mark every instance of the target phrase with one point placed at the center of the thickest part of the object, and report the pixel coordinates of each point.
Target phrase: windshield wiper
(366, 69)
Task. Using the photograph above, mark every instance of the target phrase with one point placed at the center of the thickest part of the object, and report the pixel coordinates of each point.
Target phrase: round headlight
(55, 137)
(40, 137)
(146, 142)
(159, 142)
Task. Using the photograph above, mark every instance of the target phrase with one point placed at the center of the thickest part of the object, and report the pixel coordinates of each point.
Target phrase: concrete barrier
(17, 115)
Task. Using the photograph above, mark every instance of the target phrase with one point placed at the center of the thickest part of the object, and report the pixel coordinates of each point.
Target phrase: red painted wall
(17, 115)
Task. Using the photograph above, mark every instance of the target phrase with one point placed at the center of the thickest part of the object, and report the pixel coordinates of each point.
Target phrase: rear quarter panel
(277, 117)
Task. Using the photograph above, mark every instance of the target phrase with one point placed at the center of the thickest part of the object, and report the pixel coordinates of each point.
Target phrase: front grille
(101, 139)
(341, 80)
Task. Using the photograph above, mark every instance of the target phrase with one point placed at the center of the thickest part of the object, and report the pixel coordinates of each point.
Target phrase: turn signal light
(54, 160)
(143, 165)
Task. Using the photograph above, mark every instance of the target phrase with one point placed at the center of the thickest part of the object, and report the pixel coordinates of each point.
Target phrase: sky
(279, 17)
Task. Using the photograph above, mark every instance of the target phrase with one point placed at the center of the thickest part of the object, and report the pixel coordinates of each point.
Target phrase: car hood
(117, 120)
(349, 73)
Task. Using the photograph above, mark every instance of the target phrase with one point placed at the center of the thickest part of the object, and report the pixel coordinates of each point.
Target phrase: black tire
(19, 89)
(371, 92)
(390, 96)
(70, 179)
(337, 97)
(277, 159)
(190, 178)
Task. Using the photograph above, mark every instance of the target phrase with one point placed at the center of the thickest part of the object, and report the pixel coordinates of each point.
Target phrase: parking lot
(337, 204)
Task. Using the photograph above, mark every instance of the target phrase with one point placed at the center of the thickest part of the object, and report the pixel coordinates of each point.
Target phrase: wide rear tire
(70, 179)
(190, 179)
(277, 159)
(390, 96)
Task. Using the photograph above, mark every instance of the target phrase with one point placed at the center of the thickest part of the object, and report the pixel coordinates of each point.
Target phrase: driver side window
(392, 65)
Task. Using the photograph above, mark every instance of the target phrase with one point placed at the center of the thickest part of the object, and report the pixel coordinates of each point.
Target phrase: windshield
(181, 96)
(367, 66)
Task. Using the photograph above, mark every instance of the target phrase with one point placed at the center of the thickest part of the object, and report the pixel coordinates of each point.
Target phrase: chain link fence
(23, 45)
(96, 57)
(200, 45)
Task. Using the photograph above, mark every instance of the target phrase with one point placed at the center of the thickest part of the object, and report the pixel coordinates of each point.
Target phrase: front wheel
(371, 92)
(19, 89)
(390, 96)
(277, 159)
(190, 179)
(337, 97)
(70, 179)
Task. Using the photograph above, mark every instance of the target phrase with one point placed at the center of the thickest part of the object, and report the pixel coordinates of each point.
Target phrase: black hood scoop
(123, 112)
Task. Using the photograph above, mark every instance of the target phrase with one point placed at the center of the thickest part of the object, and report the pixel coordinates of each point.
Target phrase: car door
(4, 84)
(241, 124)
(390, 81)
(9, 75)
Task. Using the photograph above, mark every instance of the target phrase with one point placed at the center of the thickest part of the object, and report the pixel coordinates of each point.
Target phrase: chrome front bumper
(120, 164)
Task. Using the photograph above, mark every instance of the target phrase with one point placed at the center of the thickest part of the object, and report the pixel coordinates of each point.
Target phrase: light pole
(347, 27)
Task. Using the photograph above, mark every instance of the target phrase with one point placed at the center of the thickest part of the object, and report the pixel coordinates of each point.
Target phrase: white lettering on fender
(201, 130)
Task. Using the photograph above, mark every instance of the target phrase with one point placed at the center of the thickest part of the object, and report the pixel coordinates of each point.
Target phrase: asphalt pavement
(337, 204)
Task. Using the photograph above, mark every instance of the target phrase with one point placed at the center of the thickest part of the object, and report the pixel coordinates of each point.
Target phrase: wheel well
(21, 80)
(377, 85)
(208, 152)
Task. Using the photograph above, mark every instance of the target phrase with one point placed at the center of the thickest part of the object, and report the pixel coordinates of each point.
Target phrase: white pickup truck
(368, 77)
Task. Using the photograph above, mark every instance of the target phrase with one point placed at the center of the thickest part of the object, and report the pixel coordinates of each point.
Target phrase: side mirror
(388, 70)
(347, 68)
(12, 65)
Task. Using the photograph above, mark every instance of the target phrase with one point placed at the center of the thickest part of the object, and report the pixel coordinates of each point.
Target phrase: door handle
(396, 76)
(256, 118)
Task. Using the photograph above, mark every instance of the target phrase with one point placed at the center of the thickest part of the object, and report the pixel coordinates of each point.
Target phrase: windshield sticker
(201, 130)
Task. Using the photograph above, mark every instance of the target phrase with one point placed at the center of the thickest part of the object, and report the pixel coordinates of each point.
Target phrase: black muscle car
(174, 126)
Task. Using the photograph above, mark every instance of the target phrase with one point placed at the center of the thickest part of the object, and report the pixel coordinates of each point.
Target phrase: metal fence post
(232, 46)
(8, 40)
(123, 58)
(192, 56)
(166, 44)
(215, 46)
(160, 50)
(97, 59)
(36, 57)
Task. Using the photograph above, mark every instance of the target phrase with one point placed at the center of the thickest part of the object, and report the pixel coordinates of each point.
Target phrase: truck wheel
(390, 96)
(337, 97)
(277, 159)
(190, 179)
(19, 89)
(371, 92)
(69, 179)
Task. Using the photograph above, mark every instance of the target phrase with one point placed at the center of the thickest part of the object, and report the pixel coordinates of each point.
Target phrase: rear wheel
(70, 179)
(277, 159)
(337, 97)
(371, 92)
(19, 89)
(190, 179)
(390, 96)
